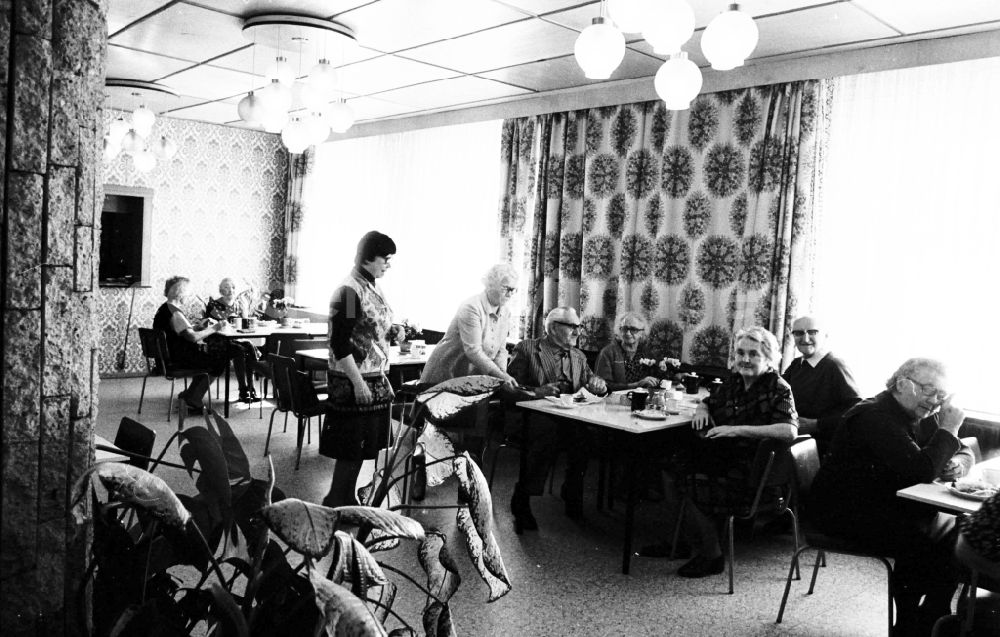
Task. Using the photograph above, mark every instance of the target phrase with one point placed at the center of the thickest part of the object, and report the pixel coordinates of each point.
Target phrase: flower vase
(405, 347)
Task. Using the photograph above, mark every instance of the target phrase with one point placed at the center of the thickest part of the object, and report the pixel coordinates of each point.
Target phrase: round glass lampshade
(317, 128)
(274, 121)
(306, 95)
(142, 120)
(340, 117)
(323, 79)
(729, 39)
(670, 24)
(144, 161)
(275, 97)
(630, 16)
(295, 136)
(164, 148)
(678, 82)
(117, 130)
(599, 50)
(251, 109)
(111, 148)
(133, 142)
(282, 70)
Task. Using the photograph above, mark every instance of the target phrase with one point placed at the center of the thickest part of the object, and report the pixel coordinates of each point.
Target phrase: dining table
(107, 451)
(939, 495)
(614, 416)
(400, 363)
(260, 332)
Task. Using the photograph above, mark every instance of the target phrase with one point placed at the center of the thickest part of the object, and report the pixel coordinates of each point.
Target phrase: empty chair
(273, 345)
(135, 438)
(158, 363)
(279, 368)
(302, 398)
(805, 458)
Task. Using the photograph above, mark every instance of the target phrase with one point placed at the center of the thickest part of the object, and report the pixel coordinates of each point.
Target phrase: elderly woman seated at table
(229, 305)
(476, 340)
(190, 345)
(619, 362)
(752, 404)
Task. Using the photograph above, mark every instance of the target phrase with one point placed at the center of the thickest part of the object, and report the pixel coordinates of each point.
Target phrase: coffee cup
(251, 323)
(638, 397)
(691, 383)
(419, 347)
(234, 321)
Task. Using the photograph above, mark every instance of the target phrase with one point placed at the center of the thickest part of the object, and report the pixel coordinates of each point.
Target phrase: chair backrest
(137, 438)
(304, 398)
(432, 337)
(282, 367)
(805, 457)
(149, 339)
(288, 343)
(973, 443)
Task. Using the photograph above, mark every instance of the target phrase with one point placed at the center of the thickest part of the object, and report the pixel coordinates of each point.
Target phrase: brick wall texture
(51, 98)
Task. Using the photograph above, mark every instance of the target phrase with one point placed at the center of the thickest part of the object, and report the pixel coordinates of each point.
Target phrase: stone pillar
(52, 73)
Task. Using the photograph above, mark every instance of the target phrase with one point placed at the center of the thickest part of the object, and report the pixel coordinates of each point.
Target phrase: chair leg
(970, 604)
(493, 465)
(792, 568)
(298, 445)
(732, 553)
(677, 527)
(285, 430)
(795, 533)
(821, 555)
(170, 402)
(267, 443)
(142, 393)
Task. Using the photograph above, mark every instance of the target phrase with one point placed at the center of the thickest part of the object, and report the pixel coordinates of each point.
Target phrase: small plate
(560, 404)
(651, 414)
(970, 496)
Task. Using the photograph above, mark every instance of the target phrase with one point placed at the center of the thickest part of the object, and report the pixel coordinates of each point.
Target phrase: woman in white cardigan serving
(476, 340)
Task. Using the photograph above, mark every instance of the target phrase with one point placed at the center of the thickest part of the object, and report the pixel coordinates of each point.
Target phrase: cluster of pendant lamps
(316, 95)
(666, 25)
(133, 135)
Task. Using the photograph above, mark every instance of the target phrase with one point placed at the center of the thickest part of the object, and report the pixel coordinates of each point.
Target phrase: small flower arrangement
(664, 368)
(407, 331)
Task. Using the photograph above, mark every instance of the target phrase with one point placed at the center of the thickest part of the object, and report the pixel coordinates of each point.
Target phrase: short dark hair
(372, 245)
(171, 282)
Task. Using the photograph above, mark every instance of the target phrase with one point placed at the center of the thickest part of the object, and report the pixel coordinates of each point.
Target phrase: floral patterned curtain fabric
(698, 219)
(300, 173)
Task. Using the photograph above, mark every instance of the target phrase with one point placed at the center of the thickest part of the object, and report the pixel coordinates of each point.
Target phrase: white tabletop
(107, 455)
(395, 358)
(938, 495)
(307, 329)
(614, 415)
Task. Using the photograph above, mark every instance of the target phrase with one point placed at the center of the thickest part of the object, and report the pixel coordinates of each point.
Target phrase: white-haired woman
(230, 304)
(752, 404)
(618, 363)
(476, 340)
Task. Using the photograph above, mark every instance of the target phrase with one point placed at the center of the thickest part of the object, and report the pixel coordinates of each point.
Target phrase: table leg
(630, 498)
(602, 470)
(225, 397)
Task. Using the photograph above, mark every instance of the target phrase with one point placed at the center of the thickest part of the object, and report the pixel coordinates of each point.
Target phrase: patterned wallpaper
(218, 210)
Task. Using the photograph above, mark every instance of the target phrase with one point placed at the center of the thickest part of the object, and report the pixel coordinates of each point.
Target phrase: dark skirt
(352, 431)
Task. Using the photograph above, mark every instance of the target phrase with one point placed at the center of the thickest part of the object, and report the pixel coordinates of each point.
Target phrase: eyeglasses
(633, 330)
(928, 390)
(801, 333)
(508, 289)
(576, 327)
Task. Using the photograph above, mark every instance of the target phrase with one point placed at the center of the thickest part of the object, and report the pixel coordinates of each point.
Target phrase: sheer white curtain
(909, 241)
(434, 191)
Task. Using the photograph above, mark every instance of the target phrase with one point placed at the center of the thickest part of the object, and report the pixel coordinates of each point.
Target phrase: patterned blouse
(982, 529)
(767, 401)
(360, 319)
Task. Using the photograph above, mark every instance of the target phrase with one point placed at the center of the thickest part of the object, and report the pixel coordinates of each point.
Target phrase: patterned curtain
(300, 172)
(698, 219)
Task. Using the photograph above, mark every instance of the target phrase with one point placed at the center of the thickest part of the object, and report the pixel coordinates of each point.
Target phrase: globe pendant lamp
(341, 117)
(323, 79)
(729, 39)
(133, 142)
(164, 148)
(669, 25)
(275, 97)
(282, 70)
(144, 161)
(117, 130)
(678, 82)
(251, 109)
(143, 120)
(295, 136)
(317, 127)
(630, 16)
(599, 50)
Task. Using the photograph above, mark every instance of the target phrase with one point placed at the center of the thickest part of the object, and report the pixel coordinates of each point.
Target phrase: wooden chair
(303, 400)
(805, 457)
(768, 488)
(279, 368)
(158, 363)
(274, 344)
(135, 438)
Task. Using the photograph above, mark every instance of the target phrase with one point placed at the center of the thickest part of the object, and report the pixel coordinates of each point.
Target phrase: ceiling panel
(185, 31)
(518, 43)
(315, 8)
(796, 31)
(214, 112)
(157, 102)
(539, 7)
(121, 14)
(387, 72)
(392, 25)
(259, 59)
(915, 16)
(459, 90)
(367, 108)
(564, 72)
(138, 65)
(211, 83)
(692, 47)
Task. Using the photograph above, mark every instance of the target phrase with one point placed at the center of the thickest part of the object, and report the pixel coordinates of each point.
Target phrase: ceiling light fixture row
(133, 136)
(317, 94)
(666, 25)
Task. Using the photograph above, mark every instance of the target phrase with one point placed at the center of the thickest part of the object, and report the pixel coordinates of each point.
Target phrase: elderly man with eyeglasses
(822, 384)
(903, 436)
(550, 366)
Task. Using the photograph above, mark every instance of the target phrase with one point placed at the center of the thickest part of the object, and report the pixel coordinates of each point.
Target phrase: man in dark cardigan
(822, 385)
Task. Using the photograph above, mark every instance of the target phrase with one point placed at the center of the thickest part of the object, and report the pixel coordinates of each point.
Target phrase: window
(434, 191)
(909, 234)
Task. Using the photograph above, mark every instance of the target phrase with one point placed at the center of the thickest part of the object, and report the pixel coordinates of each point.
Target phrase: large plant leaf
(133, 486)
(402, 631)
(386, 598)
(228, 611)
(355, 565)
(437, 620)
(309, 528)
(344, 614)
(236, 458)
(436, 445)
(476, 524)
(201, 447)
(393, 497)
(442, 574)
(449, 398)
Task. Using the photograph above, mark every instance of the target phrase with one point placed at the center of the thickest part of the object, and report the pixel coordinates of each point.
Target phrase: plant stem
(391, 612)
(211, 556)
(419, 586)
(149, 553)
(159, 458)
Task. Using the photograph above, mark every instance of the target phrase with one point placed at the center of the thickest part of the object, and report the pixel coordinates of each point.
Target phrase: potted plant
(405, 333)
